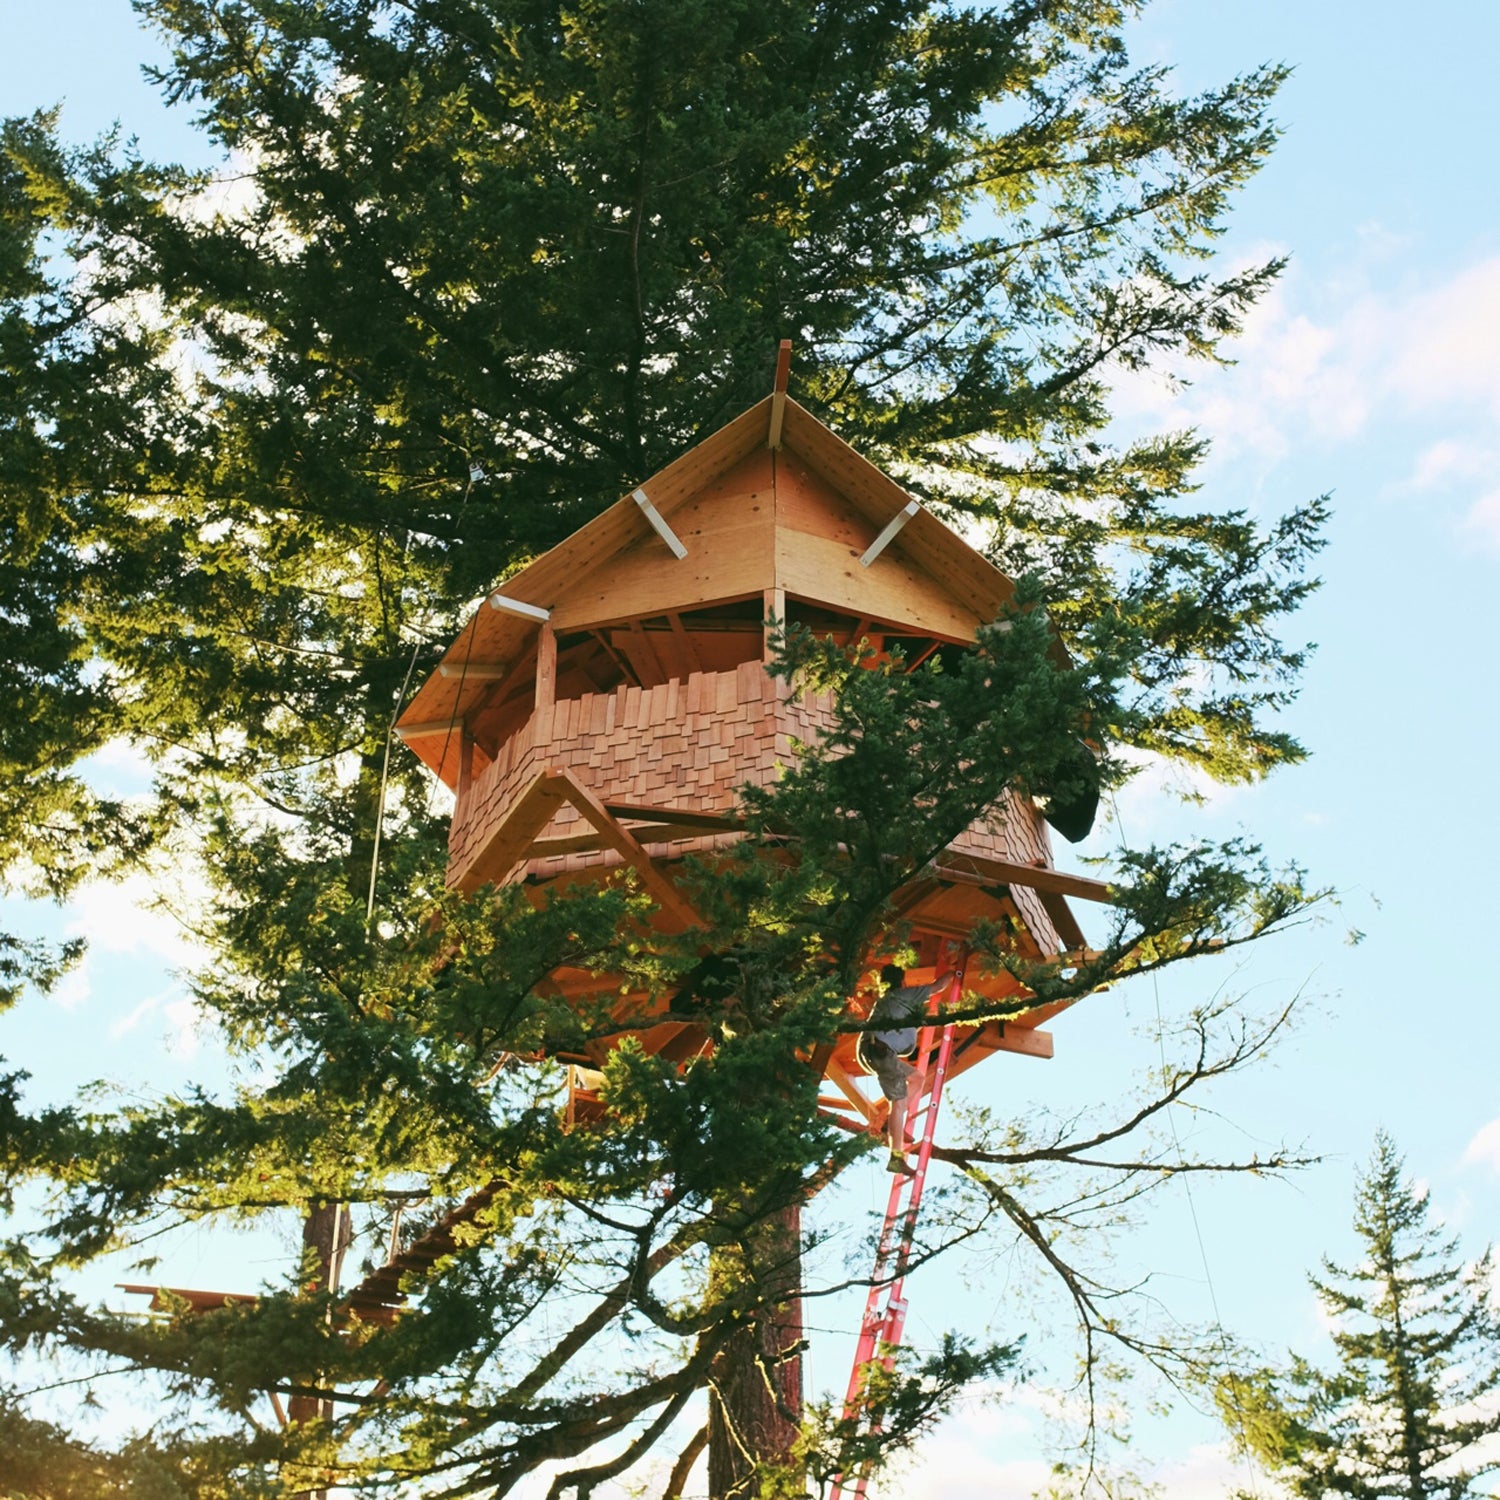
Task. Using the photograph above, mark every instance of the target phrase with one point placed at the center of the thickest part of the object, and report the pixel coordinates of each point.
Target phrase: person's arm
(929, 990)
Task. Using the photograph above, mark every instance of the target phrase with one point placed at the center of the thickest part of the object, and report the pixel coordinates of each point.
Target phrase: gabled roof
(951, 587)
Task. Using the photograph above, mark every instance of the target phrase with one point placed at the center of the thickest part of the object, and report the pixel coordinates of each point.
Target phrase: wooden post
(546, 681)
(775, 609)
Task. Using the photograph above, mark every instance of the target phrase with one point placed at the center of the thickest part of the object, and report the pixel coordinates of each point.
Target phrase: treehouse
(600, 710)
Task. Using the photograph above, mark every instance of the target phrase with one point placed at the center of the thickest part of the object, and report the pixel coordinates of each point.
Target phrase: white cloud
(995, 1452)
(72, 989)
(124, 924)
(1308, 379)
(985, 1453)
(118, 769)
(1208, 1472)
(1481, 523)
(1447, 347)
(184, 1023)
(1483, 1149)
(130, 1021)
(1163, 801)
(969, 1474)
(186, 1027)
(125, 917)
(1449, 460)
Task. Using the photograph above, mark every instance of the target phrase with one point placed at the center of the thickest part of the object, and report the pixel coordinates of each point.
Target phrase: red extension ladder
(885, 1308)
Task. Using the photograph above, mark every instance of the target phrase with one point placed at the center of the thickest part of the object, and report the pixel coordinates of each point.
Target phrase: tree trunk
(755, 1411)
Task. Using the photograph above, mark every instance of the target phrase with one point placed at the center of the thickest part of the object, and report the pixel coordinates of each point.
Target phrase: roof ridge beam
(778, 392)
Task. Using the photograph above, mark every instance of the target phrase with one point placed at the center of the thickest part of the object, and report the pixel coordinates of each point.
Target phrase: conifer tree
(472, 271)
(1406, 1408)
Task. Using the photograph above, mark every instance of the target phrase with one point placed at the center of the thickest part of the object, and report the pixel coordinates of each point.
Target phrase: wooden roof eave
(927, 541)
(933, 546)
(431, 721)
(558, 571)
(495, 636)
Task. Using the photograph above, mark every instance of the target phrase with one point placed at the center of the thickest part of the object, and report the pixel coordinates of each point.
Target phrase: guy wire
(1187, 1187)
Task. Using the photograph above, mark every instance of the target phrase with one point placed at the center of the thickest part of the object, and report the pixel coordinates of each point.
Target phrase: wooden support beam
(1063, 920)
(892, 529)
(510, 838)
(616, 837)
(658, 524)
(778, 393)
(465, 764)
(1029, 1041)
(648, 655)
(430, 729)
(622, 665)
(774, 612)
(997, 1036)
(835, 1074)
(546, 682)
(196, 1301)
(685, 643)
(513, 678)
(644, 833)
(684, 817)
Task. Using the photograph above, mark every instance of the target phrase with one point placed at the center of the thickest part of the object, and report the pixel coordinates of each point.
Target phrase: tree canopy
(467, 273)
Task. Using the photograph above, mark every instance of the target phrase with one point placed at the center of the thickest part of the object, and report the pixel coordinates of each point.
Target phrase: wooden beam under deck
(683, 816)
(196, 1300)
(1013, 872)
(643, 833)
(1057, 908)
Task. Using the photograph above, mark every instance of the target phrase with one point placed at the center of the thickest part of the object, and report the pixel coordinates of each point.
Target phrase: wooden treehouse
(601, 709)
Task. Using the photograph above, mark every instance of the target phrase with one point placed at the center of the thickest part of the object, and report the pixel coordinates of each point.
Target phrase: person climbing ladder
(884, 1322)
(886, 1053)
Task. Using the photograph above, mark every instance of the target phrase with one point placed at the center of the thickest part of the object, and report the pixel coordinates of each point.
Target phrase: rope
(475, 474)
(385, 777)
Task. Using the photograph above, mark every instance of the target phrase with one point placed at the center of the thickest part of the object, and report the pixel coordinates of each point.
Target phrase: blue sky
(1373, 372)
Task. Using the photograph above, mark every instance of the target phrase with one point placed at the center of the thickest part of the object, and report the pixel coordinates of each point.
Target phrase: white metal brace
(474, 671)
(516, 607)
(659, 525)
(887, 536)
